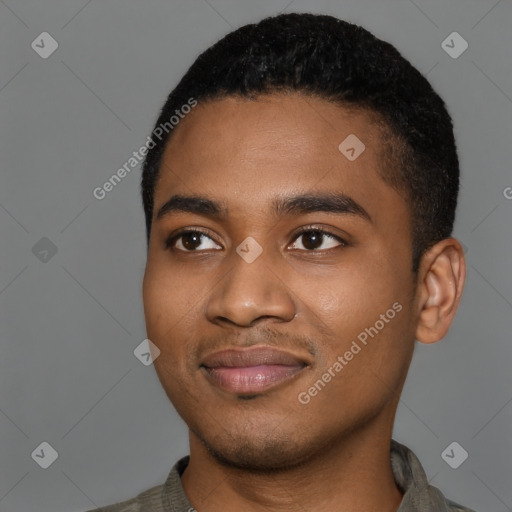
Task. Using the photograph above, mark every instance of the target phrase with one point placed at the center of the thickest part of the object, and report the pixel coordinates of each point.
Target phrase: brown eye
(317, 239)
(190, 240)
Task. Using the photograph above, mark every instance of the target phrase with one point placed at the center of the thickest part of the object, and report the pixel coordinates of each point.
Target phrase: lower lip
(251, 379)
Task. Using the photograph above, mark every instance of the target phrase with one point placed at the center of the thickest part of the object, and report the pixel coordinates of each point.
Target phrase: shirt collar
(410, 477)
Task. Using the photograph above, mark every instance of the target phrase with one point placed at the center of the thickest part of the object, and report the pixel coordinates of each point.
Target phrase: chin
(274, 452)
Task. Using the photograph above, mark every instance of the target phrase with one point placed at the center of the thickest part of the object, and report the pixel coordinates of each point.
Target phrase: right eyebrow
(193, 204)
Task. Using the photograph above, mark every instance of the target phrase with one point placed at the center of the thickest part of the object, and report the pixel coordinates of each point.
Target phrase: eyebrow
(300, 204)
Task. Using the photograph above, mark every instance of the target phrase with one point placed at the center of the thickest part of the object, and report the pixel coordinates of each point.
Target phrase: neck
(353, 473)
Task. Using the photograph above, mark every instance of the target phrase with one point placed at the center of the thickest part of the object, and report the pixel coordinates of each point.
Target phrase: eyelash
(306, 229)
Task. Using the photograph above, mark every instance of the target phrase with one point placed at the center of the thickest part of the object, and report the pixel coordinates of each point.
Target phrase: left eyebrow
(310, 203)
(300, 204)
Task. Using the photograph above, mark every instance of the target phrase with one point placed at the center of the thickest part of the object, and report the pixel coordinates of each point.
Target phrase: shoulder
(169, 495)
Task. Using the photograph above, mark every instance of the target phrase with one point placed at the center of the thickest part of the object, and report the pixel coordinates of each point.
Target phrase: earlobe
(442, 275)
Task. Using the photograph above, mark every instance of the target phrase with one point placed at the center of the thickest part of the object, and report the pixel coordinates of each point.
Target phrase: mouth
(251, 371)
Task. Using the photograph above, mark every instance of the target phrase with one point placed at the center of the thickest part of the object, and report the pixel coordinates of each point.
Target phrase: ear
(441, 278)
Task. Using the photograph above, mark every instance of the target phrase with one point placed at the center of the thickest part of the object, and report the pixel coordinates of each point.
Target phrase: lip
(251, 371)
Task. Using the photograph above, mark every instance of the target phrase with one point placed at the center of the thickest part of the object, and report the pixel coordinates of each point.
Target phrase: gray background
(69, 325)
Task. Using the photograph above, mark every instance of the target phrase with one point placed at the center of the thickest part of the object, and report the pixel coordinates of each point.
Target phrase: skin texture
(272, 452)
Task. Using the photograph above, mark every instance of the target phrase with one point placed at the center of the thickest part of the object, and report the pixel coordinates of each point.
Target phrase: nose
(249, 292)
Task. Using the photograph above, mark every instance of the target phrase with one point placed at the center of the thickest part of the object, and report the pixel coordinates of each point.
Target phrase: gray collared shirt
(410, 477)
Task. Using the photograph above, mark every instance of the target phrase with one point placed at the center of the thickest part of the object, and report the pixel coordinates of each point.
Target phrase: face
(282, 301)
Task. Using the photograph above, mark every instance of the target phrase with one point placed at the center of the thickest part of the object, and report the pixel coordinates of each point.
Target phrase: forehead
(246, 151)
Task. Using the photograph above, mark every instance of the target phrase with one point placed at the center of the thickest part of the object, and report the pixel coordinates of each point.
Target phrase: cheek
(328, 301)
(349, 304)
(171, 307)
(348, 295)
(164, 308)
(155, 299)
(168, 292)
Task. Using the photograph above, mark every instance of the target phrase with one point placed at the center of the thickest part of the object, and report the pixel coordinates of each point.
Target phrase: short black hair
(343, 63)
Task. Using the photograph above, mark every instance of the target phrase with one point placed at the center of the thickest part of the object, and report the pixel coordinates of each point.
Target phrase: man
(299, 210)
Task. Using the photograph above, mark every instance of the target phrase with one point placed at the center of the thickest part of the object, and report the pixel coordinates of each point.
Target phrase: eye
(313, 239)
(190, 240)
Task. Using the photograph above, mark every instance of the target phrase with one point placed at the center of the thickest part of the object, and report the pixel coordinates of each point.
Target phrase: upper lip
(256, 356)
